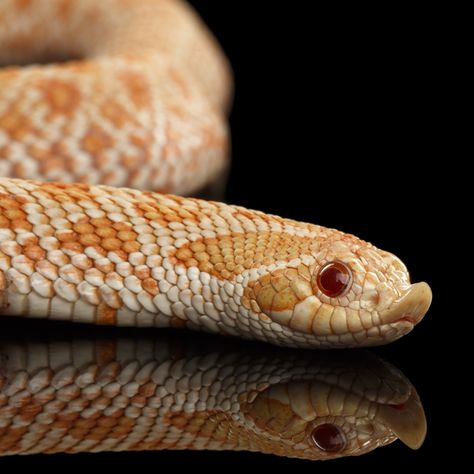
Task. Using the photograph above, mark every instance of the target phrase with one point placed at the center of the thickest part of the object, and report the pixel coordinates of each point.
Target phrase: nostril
(375, 299)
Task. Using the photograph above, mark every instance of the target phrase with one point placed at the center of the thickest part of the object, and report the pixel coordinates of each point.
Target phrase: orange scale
(130, 246)
(85, 423)
(184, 253)
(146, 207)
(106, 267)
(226, 274)
(216, 258)
(239, 268)
(239, 243)
(83, 228)
(106, 232)
(126, 235)
(142, 272)
(79, 433)
(34, 252)
(107, 421)
(111, 243)
(65, 420)
(122, 226)
(89, 239)
(66, 236)
(205, 267)
(212, 250)
(151, 286)
(154, 216)
(98, 432)
(172, 218)
(197, 246)
(101, 222)
(21, 225)
(14, 214)
(248, 264)
(8, 202)
(186, 215)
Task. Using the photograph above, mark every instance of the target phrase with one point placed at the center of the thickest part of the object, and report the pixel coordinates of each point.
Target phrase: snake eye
(333, 278)
(329, 438)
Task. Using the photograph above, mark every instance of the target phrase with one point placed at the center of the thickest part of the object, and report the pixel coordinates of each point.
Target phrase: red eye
(333, 278)
(329, 438)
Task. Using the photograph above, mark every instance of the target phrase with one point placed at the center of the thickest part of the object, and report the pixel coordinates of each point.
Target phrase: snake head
(341, 292)
(337, 414)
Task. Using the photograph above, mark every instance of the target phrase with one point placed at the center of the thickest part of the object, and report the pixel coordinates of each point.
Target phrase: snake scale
(119, 393)
(143, 107)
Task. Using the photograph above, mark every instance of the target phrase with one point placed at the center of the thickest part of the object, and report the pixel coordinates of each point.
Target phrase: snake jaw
(368, 314)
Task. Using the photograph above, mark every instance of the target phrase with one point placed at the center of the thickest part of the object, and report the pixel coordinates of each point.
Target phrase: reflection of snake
(131, 394)
(154, 119)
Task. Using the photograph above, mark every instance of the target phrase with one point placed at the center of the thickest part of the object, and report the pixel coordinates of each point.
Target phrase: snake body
(117, 256)
(145, 108)
(116, 394)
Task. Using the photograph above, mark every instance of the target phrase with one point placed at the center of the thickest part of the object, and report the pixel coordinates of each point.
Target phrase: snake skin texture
(144, 106)
(116, 394)
(116, 256)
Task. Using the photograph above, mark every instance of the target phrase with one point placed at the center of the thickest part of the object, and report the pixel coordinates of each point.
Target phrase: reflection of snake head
(335, 415)
(341, 291)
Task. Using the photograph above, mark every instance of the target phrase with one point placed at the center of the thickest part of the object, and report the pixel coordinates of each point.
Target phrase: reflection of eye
(329, 438)
(333, 278)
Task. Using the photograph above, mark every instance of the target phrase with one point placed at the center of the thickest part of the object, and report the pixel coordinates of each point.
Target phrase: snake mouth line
(407, 318)
(399, 319)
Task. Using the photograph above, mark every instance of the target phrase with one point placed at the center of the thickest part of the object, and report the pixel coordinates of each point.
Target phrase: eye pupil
(329, 438)
(333, 278)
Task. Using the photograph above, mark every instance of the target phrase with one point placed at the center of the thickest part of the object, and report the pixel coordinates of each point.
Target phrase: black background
(338, 119)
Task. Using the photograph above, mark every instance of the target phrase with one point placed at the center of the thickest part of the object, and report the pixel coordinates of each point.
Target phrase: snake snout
(411, 307)
(406, 420)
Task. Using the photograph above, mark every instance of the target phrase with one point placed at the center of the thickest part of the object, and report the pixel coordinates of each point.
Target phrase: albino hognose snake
(143, 108)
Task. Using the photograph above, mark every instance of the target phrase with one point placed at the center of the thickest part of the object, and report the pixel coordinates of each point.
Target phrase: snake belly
(114, 393)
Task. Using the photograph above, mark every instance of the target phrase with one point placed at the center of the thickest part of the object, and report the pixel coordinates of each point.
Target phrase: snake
(108, 124)
(118, 393)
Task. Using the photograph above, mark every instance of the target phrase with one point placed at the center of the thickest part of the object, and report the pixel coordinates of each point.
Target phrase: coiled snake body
(145, 108)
